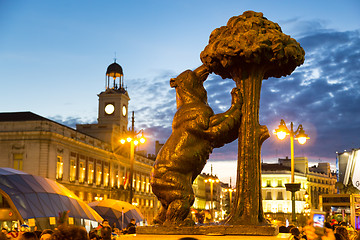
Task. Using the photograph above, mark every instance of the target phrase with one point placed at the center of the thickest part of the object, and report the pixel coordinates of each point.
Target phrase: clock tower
(113, 102)
(113, 107)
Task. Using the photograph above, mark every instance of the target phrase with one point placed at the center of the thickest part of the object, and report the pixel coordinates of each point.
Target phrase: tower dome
(114, 71)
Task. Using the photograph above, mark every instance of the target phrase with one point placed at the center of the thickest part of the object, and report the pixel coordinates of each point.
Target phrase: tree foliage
(250, 39)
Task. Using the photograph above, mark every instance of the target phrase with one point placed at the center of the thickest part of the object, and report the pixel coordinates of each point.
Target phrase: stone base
(268, 230)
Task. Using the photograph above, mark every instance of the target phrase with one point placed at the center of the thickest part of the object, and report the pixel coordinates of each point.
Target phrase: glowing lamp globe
(302, 137)
(302, 140)
(281, 135)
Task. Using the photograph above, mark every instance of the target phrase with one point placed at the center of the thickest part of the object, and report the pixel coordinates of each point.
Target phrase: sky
(54, 54)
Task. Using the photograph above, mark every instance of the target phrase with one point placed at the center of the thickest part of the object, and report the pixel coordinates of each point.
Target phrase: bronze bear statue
(196, 130)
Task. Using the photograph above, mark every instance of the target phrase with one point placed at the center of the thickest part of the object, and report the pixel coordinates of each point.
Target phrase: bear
(196, 131)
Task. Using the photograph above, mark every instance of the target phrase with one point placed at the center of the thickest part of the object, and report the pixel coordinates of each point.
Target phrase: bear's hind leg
(159, 219)
(177, 212)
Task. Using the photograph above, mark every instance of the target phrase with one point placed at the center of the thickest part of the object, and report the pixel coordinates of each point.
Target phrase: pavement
(203, 237)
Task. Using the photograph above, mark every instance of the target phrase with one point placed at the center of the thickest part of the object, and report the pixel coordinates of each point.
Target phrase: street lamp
(230, 190)
(307, 208)
(299, 135)
(211, 179)
(134, 141)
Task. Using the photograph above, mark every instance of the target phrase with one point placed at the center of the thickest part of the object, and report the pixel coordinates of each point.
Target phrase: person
(93, 235)
(106, 233)
(105, 223)
(309, 231)
(3, 236)
(46, 234)
(295, 233)
(38, 233)
(358, 236)
(341, 230)
(28, 236)
(14, 234)
(70, 232)
(117, 231)
(4, 230)
(131, 227)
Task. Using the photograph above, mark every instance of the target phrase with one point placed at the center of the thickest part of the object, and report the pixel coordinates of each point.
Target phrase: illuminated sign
(356, 170)
(349, 168)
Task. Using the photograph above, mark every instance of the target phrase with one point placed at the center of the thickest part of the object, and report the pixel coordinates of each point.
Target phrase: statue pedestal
(265, 230)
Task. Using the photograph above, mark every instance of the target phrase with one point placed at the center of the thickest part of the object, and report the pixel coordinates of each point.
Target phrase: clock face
(109, 108)
(124, 110)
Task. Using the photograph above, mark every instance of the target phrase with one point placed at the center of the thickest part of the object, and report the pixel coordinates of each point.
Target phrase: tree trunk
(247, 209)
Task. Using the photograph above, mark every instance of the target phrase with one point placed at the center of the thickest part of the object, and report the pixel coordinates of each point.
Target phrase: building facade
(90, 161)
(213, 206)
(314, 181)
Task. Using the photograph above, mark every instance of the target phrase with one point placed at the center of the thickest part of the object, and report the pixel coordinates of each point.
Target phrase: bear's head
(189, 86)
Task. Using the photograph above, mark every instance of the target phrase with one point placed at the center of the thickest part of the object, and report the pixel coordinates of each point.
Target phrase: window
(280, 208)
(280, 196)
(138, 182)
(268, 195)
(98, 175)
(18, 161)
(268, 183)
(280, 183)
(147, 185)
(72, 170)
(115, 176)
(90, 173)
(143, 183)
(59, 168)
(106, 177)
(82, 172)
(122, 176)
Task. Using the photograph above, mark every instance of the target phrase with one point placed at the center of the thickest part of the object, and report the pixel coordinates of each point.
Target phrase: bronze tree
(248, 49)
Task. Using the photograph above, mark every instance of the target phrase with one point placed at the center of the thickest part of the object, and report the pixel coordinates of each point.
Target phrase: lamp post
(299, 135)
(307, 208)
(230, 190)
(134, 141)
(212, 179)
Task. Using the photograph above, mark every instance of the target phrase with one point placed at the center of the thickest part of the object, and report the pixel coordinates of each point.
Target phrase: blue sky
(54, 54)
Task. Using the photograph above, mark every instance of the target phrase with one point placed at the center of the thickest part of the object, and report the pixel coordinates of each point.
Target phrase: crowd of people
(330, 231)
(65, 232)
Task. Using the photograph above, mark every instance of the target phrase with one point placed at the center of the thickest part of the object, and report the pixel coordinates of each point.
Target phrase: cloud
(71, 121)
(323, 95)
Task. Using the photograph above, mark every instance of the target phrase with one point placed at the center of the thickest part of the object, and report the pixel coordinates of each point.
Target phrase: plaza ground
(204, 237)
